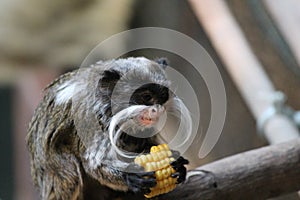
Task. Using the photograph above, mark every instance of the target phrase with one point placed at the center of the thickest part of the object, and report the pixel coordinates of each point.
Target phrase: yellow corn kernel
(158, 175)
(143, 159)
(151, 166)
(159, 161)
(169, 154)
(162, 147)
(166, 147)
(149, 158)
(163, 163)
(155, 157)
(158, 191)
(154, 149)
(164, 173)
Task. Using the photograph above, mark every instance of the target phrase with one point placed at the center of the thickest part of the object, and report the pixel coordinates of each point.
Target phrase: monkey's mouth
(147, 120)
(150, 115)
(138, 121)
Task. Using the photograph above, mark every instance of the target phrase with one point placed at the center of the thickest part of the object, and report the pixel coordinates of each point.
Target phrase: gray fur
(68, 136)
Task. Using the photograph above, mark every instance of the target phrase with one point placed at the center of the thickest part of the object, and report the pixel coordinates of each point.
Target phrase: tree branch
(257, 174)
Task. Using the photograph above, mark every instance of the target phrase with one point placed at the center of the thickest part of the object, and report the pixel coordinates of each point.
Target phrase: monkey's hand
(179, 167)
(138, 180)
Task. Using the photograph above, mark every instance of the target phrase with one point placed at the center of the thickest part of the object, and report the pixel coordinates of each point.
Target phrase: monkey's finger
(143, 183)
(132, 167)
(137, 184)
(182, 175)
(175, 154)
(146, 191)
(135, 189)
(179, 163)
(145, 174)
(142, 179)
(144, 188)
(139, 190)
(175, 175)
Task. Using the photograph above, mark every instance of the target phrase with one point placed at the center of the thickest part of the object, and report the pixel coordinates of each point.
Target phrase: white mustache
(184, 132)
(121, 117)
(126, 118)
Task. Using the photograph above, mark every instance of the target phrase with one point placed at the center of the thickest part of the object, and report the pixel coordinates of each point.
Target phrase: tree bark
(257, 174)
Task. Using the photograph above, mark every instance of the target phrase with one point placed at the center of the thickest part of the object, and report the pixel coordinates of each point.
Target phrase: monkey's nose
(151, 115)
(157, 110)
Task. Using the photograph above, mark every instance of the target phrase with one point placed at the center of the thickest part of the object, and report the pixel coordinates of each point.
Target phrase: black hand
(138, 180)
(180, 169)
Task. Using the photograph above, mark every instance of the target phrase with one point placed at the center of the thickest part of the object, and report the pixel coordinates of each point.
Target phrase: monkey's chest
(135, 144)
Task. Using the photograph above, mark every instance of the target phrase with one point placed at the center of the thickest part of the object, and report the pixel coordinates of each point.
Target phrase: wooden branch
(257, 174)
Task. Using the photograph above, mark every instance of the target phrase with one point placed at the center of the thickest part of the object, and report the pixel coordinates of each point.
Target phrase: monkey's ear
(109, 79)
(163, 62)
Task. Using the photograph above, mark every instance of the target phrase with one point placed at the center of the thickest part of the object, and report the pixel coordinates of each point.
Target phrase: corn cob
(159, 161)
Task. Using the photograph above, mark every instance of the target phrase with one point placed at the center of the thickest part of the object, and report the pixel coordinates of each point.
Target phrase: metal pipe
(245, 70)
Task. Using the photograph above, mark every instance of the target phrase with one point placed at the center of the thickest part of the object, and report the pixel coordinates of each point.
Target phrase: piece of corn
(159, 161)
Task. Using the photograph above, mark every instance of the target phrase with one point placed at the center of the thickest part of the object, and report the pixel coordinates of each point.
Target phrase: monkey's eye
(146, 97)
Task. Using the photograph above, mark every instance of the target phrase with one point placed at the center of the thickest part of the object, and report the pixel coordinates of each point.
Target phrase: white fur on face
(124, 114)
(174, 107)
(65, 92)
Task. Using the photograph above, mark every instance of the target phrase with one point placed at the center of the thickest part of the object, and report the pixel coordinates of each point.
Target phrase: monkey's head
(133, 97)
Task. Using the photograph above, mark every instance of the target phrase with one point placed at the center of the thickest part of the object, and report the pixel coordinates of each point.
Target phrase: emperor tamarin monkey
(88, 121)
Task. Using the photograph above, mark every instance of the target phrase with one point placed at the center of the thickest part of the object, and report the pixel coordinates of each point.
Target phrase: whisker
(121, 119)
(184, 132)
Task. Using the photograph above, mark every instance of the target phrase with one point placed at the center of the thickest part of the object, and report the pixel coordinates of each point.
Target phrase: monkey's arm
(118, 175)
(104, 165)
(53, 143)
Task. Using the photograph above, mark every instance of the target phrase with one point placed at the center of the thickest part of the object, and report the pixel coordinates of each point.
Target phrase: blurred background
(41, 39)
